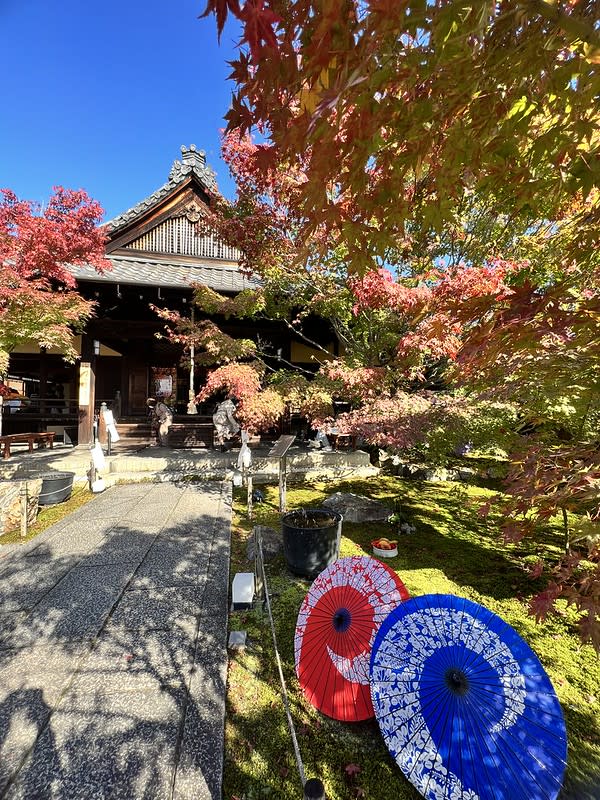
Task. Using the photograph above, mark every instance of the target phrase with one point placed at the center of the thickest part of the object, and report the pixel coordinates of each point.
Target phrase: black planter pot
(56, 487)
(311, 540)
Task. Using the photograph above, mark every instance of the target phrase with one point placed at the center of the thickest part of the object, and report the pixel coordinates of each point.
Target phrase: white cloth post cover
(98, 458)
(110, 425)
(245, 455)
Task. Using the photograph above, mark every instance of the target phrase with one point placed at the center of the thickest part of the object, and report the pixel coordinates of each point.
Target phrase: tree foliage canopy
(38, 299)
(429, 183)
(399, 110)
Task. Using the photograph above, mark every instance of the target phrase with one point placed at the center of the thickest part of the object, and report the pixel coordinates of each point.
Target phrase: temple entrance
(138, 389)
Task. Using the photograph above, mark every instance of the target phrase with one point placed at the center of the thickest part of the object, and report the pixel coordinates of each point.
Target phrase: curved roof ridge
(193, 161)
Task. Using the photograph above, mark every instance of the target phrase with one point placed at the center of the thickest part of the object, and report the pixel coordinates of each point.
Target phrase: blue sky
(102, 95)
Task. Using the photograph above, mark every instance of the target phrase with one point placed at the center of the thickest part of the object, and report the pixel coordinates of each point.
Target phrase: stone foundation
(10, 503)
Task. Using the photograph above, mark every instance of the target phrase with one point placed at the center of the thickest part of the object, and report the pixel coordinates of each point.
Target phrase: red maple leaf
(258, 21)
(240, 69)
(220, 8)
(541, 604)
(351, 770)
(589, 629)
(239, 116)
(537, 569)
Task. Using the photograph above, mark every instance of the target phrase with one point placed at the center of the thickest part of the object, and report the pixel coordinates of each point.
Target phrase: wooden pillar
(125, 385)
(43, 385)
(191, 409)
(87, 391)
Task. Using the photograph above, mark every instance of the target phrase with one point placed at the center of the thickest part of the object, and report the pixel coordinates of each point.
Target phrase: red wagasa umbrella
(336, 627)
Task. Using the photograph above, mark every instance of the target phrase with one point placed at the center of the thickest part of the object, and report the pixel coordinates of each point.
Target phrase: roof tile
(222, 277)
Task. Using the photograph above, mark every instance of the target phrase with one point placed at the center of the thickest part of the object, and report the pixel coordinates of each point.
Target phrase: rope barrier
(279, 667)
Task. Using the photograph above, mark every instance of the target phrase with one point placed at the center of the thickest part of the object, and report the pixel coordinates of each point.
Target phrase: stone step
(125, 463)
(310, 465)
(258, 479)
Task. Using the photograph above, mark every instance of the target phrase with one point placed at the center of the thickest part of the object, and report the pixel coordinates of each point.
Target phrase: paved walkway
(113, 649)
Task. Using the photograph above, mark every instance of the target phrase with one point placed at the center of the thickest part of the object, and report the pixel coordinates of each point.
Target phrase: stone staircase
(185, 432)
(134, 434)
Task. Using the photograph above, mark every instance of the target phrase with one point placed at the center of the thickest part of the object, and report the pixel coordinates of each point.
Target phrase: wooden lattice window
(179, 236)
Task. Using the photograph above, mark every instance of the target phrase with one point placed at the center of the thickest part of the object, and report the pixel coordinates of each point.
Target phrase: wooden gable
(165, 224)
(178, 235)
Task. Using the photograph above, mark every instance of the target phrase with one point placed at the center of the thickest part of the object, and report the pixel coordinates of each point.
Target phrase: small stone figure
(162, 419)
(226, 425)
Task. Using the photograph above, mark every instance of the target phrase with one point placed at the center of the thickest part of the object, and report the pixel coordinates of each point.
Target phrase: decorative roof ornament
(193, 161)
(193, 212)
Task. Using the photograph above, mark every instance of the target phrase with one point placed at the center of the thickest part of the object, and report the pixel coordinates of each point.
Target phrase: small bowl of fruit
(385, 548)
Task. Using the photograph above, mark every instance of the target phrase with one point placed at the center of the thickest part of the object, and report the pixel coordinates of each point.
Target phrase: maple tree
(38, 299)
(539, 345)
(524, 331)
(399, 111)
(402, 132)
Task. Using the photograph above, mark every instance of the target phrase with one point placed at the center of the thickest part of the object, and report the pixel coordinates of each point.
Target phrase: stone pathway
(113, 649)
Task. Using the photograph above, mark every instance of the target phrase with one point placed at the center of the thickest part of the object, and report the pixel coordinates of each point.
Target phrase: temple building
(156, 255)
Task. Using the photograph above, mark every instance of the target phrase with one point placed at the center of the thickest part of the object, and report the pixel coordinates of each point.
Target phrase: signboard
(164, 386)
(85, 382)
(281, 446)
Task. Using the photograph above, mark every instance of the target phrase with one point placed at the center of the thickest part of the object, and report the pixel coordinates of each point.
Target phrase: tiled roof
(193, 162)
(221, 277)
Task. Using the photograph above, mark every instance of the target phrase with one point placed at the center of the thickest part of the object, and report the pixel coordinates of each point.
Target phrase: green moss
(454, 550)
(48, 515)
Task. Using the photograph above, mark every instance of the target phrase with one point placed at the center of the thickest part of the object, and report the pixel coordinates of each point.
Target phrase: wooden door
(138, 389)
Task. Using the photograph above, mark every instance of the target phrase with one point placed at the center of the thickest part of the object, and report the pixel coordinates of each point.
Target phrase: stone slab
(172, 563)
(121, 746)
(127, 660)
(9, 622)
(122, 544)
(115, 504)
(199, 772)
(77, 608)
(73, 540)
(32, 681)
(159, 608)
(192, 528)
(357, 508)
(24, 582)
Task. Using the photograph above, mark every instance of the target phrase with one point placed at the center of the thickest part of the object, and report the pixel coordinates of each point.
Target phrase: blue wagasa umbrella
(464, 705)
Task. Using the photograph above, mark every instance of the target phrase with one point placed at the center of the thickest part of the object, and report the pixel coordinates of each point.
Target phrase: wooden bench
(44, 438)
